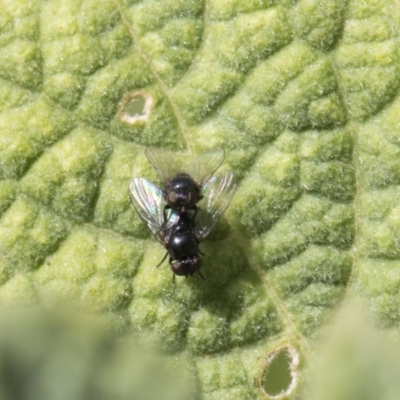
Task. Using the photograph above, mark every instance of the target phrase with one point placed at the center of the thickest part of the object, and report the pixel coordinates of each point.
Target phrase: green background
(304, 97)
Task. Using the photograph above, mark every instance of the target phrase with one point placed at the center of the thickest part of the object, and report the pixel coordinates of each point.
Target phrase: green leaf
(303, 96)
(358, 362)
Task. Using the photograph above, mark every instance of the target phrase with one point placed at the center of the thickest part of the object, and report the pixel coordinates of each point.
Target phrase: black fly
(184, 182)
(179, 232)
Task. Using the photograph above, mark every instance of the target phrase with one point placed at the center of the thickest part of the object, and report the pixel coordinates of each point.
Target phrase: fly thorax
(183, 244)
(182, 192)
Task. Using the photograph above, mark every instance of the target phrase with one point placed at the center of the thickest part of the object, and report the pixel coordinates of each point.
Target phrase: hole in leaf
(135, 108)
(277, 377)
(280, 373)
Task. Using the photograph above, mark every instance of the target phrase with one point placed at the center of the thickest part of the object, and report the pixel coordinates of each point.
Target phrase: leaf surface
(303, 96)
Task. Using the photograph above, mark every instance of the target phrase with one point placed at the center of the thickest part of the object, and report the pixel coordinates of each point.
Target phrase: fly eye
(172, 197)
(177, 268)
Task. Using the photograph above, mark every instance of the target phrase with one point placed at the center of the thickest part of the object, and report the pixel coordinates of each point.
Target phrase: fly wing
(202, 167)
(218, 193)
(148, 202)
(164, 163)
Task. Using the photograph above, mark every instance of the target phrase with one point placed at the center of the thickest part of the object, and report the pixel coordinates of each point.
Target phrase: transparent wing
(218, 193)
(148, 202)
(164, 163)
(200, 168)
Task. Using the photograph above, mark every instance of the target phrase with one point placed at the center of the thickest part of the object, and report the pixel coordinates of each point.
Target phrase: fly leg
(202, 277)
(195, 212)
(167, 207)
(203, 254)
(173, 275)
(166, 254)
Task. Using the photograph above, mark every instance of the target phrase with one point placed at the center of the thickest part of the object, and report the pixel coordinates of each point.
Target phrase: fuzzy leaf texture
(304, 97)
